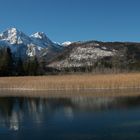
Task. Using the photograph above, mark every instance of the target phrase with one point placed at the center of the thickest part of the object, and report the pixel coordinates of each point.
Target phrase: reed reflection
(15, 111)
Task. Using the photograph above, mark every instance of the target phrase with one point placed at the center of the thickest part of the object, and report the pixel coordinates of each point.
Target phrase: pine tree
(19, 67)
(31, 66)
(6, 63)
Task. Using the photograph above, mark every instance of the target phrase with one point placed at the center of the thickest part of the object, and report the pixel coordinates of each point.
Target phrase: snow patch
(83, 56)
(67, 43)
(39, 35)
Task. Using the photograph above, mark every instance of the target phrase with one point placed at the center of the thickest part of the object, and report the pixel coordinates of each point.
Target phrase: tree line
(127, 59)
(10, 66)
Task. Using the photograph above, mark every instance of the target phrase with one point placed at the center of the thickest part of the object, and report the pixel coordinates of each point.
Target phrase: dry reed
(72, 82)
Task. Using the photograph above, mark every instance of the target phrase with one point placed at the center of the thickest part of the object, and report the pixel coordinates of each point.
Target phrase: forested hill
(97, 56)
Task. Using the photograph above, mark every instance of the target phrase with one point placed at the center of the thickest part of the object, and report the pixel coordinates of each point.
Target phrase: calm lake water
(75, 118)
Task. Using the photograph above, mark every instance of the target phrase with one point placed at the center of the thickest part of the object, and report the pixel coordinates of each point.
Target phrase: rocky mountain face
(98, 55)
(23, 46)
(82, 54)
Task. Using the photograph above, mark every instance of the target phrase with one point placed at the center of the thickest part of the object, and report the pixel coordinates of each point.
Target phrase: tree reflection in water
(16, 111)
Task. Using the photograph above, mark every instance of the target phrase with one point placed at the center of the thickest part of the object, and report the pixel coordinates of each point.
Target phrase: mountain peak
(13, 29)
(67, 43)
(14, 36)
(10, 32)
(23, 45)
(40, 35)
(40, 38)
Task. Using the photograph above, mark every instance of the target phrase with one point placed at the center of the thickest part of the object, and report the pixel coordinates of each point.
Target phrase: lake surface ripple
(70, 118)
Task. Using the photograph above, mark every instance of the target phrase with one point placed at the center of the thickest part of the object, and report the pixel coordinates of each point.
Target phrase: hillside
(95, 55)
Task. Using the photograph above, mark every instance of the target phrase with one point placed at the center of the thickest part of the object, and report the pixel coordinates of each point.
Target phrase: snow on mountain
(23, 45)
(67, 43)
(14, 36)
(41, 40)
(84, 54)
(39, 35)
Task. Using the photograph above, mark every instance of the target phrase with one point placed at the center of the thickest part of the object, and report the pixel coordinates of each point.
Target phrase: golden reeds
(72, 82)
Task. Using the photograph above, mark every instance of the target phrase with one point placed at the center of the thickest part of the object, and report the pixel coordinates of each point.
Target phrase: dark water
(75, 118)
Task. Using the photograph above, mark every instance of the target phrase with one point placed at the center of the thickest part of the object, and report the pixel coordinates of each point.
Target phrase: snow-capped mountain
(14, 36)
(40, 39)
(23, 45)
(67, 43)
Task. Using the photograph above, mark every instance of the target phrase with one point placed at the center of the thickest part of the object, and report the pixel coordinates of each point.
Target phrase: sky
(74, 20)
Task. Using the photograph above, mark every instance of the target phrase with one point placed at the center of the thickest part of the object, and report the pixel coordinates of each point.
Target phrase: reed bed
(72, 82)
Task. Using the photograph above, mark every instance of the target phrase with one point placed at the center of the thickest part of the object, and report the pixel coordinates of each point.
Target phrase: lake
(69, 118)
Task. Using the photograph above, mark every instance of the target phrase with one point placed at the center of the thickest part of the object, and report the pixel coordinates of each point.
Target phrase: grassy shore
(72, 82)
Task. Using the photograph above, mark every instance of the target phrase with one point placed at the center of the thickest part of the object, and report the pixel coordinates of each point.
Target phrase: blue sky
(74, 20)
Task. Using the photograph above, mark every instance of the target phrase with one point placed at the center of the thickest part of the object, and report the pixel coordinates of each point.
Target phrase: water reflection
(19, 113)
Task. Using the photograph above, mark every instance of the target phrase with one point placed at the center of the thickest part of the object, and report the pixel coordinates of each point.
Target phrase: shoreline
(71, 93)
(68, 89)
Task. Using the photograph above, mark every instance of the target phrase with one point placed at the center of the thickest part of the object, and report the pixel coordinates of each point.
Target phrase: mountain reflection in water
(23, 113)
